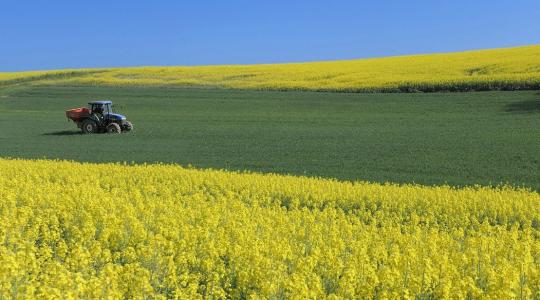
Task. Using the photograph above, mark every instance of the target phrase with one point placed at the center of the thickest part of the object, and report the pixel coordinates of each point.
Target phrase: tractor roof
(100, 102)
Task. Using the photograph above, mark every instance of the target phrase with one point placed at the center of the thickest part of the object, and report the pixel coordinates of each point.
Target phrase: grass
(494, 69)
(455, 138)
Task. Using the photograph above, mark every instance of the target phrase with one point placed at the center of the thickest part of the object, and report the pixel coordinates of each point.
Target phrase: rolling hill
(495, 69)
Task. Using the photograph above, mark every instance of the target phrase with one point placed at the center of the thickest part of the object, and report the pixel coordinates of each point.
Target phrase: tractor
(98, 117)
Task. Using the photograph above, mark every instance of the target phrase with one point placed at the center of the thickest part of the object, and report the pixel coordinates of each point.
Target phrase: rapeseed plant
(74, 230)
(507, 69)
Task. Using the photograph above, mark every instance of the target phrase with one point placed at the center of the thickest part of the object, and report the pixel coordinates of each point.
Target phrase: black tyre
(128, 126)
(89, 126)
(113, 128)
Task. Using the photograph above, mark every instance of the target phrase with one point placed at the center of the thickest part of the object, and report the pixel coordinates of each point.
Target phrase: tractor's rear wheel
(113, 128)
(128, 126)
(89, 126)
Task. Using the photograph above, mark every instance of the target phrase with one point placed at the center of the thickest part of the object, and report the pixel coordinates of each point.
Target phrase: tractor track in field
(47, 76)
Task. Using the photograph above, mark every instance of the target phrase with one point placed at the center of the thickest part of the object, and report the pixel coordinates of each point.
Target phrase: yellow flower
(163, 231)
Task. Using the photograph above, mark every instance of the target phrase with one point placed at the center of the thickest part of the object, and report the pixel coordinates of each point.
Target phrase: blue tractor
(99, 117)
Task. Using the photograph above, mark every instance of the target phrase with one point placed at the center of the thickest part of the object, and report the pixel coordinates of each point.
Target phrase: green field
(455, 138)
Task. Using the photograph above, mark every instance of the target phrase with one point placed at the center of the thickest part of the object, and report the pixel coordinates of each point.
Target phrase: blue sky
(37, 35)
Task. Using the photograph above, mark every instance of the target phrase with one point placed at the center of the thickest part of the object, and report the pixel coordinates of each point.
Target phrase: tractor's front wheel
(113, 128)
(128, 126)
(89, 126)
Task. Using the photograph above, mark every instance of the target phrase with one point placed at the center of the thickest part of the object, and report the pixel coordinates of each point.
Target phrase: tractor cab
(103, 110)
(102, 107)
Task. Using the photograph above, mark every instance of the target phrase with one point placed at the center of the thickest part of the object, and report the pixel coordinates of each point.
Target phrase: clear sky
(37, 35)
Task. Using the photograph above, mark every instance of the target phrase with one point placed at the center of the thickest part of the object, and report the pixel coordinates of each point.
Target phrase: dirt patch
(479, 71)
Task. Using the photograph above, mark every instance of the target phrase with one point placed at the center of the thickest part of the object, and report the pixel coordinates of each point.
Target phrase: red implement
(77, 114)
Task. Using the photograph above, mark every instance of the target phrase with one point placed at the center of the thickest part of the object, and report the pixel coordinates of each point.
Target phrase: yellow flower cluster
(510, 68)
(72, 230)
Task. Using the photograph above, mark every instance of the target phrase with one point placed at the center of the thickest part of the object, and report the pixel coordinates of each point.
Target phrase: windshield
(101, 108)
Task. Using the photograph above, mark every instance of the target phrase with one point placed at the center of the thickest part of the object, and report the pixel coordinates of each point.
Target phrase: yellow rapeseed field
(507, 68)
(73, 230)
